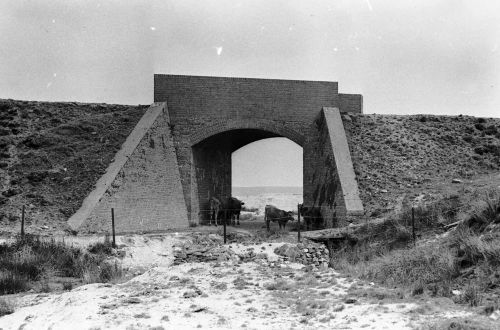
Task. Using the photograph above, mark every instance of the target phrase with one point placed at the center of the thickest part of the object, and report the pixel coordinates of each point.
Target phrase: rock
(261, 256)
(192, 293)
(456, 181)
(495, 315)
(133, 300)
(288, 250)
(350, 300)
(120, 254)
(384, 191)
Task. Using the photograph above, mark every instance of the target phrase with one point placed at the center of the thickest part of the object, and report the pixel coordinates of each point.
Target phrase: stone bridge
(179, 154)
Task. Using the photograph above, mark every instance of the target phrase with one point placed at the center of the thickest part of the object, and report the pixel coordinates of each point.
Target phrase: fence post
(22, 223)
(413, 224)
(113, 226)
(225, 221)
(298, 219)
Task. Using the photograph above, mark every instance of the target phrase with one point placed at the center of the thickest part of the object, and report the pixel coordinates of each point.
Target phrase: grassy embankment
(463, 257)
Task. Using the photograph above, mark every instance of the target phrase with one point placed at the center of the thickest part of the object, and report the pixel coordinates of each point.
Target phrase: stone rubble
(211, 248)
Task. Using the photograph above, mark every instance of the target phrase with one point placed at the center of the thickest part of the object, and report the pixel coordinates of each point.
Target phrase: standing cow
(215, 206)
(272, 213)
(312, 216)
(230, 209)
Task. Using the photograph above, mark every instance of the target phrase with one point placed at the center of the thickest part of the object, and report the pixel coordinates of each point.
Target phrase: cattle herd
(227, 210)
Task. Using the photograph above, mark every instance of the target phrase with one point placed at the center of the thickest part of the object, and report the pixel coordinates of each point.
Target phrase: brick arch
(256, 124)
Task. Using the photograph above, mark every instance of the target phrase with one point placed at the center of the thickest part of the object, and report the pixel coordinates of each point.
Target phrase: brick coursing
(146, 194)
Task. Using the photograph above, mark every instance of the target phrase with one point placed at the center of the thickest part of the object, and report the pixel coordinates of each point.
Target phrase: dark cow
(215, 207)
(312, 216)
(272, 213)
(230, 209)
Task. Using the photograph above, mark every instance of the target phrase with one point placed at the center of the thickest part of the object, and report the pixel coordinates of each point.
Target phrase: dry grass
(385, 255)
(30, 259)
(6, 307)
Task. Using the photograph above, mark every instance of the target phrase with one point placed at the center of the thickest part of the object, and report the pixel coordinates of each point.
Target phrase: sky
(404, 57)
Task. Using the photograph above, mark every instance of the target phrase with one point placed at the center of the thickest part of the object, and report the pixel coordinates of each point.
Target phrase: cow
(230, 210)
(312, 216)
(272, 213)
(214, 210)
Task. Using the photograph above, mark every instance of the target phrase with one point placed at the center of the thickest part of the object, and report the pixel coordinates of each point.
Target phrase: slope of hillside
(399, 158)
(51, 155)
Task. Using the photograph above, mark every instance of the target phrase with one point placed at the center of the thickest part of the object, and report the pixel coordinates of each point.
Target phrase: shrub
(470, 296)
(491, 130)
(67, 285)
(10, 282)
(489, 213)
(6, 307)
(408, 266)
(468, 138)
(31, 259)
(473, 248)
(105, 247)
(110, 272)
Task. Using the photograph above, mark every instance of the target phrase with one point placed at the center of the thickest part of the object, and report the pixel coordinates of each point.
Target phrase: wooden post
(413, 224)
(22, 223)
(113, 226)
(298, 220)
(225, 221)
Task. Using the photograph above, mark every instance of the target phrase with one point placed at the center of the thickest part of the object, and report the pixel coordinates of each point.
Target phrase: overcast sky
(405, 56)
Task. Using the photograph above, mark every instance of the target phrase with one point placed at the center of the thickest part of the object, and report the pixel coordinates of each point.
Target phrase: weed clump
(6, 307)
(30, 259)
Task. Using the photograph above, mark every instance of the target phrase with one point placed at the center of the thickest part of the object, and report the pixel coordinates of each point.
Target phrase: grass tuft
(31, 259)
(6, 307)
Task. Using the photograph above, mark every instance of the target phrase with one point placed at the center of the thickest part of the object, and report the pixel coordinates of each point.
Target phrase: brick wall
(333, 183)
(350, 103)
(145, 192)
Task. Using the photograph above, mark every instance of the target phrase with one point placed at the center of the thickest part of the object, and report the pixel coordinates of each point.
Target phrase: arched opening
(268, 171)
(212, 166)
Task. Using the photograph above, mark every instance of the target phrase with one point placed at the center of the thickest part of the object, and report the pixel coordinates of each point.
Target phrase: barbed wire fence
(417, 212)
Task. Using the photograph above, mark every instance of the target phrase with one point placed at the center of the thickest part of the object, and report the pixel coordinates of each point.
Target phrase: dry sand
(266, 293)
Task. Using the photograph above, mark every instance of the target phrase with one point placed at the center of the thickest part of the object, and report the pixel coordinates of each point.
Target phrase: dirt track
(265, 293)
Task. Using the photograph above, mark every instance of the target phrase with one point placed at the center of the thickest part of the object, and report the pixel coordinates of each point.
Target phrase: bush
(32, 259)
(473, 248)
(491, 130)
(105, 247)
(479, 126)
(470, 296)
(67, 286)
(6, 307)
(10, 282)
(468, 138)
(489, 213)
(408, 266)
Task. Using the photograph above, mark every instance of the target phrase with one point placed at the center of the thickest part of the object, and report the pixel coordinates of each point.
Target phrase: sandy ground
(266, 293)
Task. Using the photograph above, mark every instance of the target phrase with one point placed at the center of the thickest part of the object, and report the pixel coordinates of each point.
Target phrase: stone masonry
(179, 154)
